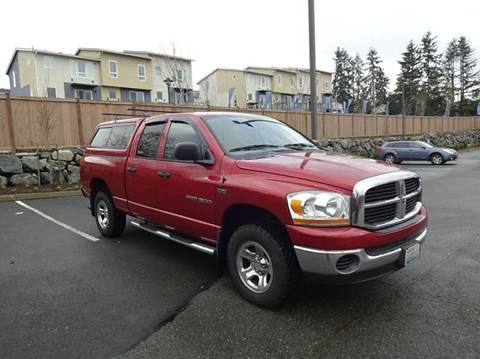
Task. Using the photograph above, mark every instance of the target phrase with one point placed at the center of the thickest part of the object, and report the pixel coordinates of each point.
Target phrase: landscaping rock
(24, 179)
(33, 164)
(3, 181)
(55, 165)
(45, 178)
(63, 155)
(10, 164)
(73, 174)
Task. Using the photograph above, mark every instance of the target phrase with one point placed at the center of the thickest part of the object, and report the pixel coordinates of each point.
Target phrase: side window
(119, 137)
(150, 140)
(179, 132)
(101, 137)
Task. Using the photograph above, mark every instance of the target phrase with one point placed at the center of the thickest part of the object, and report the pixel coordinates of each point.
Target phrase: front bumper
(355, 265)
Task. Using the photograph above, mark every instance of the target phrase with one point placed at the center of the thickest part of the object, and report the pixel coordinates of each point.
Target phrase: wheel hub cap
(254, 267)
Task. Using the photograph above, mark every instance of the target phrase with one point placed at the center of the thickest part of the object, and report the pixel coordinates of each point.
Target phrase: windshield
(243, 135)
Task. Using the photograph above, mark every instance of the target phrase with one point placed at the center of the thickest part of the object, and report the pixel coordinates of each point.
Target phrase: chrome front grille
(386, 200)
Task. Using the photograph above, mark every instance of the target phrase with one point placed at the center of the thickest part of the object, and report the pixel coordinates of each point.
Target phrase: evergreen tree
(358, 87)
(467, 75)
(342, 78)
(432, 102)
(449, 72)
(376, 82)
(408, 82)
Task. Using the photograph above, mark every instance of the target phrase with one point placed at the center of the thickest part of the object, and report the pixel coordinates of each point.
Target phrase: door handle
(164, 174)
(131, 169)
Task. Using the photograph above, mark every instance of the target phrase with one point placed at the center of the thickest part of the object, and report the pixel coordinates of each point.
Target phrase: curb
(39, 195)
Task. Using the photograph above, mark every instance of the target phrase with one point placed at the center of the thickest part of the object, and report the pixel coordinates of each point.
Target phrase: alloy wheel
(102, 214)
(254, 267)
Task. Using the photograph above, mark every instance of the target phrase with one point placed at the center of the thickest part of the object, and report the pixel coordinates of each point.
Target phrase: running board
(175, 238)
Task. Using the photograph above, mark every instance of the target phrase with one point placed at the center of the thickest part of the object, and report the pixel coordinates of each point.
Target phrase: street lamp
(168, 81)
(313, 67)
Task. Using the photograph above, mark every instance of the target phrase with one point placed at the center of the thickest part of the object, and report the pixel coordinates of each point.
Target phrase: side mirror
(315, 142)
(188, 151)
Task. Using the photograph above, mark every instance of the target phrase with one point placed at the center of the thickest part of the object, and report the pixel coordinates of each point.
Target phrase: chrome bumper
(324, 262)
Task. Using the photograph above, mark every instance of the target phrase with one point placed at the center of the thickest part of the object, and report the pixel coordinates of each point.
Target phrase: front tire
(261, 264)
(110, 221)
(437, 159)
(390, 159)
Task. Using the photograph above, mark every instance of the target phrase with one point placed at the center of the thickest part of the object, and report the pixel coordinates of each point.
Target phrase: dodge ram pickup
(257, 194)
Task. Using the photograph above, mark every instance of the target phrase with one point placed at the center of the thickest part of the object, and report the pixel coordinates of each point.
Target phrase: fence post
(11, 130)
(79, 123)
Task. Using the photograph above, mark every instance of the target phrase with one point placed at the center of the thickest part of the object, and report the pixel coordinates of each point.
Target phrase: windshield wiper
(298, 146)
(252, 148)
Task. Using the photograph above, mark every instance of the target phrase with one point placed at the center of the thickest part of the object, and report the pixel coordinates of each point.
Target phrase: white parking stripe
(61, 224)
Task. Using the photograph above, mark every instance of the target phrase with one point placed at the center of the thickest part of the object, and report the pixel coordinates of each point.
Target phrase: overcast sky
(232, 33)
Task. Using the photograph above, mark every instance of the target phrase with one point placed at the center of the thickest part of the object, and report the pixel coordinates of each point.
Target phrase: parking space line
(57, 222)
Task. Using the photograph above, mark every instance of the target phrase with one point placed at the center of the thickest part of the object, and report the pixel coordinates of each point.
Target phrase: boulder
(24, 179)
(55, 165)
(3, 181)
(33, 164)
(73, 174)
(63, 155)
(10, 164)
(46, 179)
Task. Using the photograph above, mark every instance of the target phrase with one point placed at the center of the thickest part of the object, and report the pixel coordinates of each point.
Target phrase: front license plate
(411, 254)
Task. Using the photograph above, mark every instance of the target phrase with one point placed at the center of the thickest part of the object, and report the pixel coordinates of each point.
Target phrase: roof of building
(272, 69)
(111, 52)
(215, 70)
(308, 70)
(156, 54)
(52, 53)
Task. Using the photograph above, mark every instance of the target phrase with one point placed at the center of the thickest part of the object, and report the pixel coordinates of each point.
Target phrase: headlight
(319, 208)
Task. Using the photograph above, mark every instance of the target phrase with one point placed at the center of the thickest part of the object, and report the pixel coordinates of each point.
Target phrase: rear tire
(110, 221)
(437, 159)
(390, 159)
(262, 264)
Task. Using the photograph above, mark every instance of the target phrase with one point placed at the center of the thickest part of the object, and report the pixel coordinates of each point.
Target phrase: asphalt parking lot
(63, 294)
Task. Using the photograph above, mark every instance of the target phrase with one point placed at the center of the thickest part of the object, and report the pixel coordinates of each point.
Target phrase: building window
(263, 81)
(279, 79)
(250, 97)
(14, 80)
(159, 95)
(158, 70)
(51, 92)
(141, 72)
(112, 94)
(326, 85)
(84, 94)
(179, 75)
(48, 62)
(81, 69)
(300, 82)
(113, 68)
(136, 96)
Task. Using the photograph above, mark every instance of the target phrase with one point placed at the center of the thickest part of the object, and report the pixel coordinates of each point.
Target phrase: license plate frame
(411, 254)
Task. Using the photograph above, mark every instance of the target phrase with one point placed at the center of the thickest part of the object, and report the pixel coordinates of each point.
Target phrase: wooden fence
(75, 120)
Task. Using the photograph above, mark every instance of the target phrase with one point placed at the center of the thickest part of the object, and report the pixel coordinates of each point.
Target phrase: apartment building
(264, 87)
(171, 76)
(124, 77)
(101, 74)
(52, 74)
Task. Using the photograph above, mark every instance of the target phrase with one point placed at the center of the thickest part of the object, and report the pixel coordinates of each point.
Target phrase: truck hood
(332, 169)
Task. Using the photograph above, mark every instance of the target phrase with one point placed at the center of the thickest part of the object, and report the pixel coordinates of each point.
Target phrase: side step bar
(175, 238)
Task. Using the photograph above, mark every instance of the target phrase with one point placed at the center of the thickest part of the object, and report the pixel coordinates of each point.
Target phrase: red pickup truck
(257, 194)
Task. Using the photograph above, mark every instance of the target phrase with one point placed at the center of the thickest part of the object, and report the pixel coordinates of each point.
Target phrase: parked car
(258, 195)
(398, 151)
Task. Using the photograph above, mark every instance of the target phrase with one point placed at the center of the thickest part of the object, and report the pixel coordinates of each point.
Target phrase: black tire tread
(285, 250)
